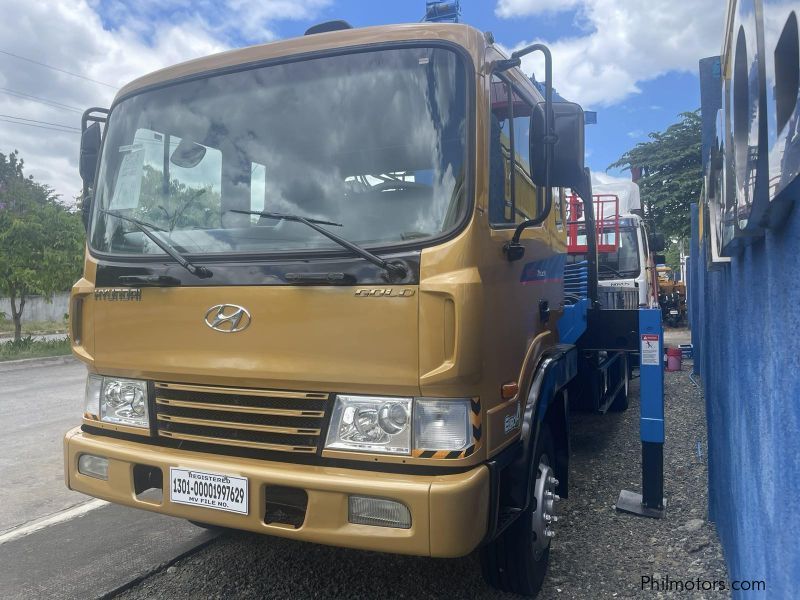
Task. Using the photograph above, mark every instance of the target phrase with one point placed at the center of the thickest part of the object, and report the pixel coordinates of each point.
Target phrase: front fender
(557, 367)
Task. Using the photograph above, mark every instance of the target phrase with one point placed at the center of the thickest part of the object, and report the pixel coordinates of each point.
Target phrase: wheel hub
(543, 516)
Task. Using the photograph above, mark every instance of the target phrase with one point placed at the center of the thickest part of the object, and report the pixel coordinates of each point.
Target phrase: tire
(510, 562)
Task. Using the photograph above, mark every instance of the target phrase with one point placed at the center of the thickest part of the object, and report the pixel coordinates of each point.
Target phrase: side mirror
(90, 152)
(91, 136)
(87, 165)
(567, 162)
(657, 243)
(659, 259)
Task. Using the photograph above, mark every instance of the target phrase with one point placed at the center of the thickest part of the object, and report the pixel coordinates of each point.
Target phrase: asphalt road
(55, 543)
(39, 402)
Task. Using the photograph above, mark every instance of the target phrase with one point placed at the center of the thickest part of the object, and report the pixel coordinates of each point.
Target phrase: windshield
(374, 141)
(622, 264)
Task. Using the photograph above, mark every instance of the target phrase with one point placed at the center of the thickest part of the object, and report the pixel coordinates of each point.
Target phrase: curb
(7, 337)
(8, 365)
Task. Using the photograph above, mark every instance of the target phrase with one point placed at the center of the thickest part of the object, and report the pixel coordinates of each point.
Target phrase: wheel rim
(543, 518)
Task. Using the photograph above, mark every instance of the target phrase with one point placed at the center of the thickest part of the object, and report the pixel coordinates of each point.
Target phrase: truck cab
(322, 284)
(625, 276)
(625, 265)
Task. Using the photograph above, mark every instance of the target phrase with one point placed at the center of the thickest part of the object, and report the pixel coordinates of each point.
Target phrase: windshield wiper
(321, 278)
(150, 280)
(393, 269)
(145, 228)
(282, 217)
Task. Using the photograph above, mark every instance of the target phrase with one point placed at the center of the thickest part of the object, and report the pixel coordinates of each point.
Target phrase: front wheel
(517, 560)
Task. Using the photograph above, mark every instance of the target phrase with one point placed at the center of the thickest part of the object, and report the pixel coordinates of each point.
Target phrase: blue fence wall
(746, 332)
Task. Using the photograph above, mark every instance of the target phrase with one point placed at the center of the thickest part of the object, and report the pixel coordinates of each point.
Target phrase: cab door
(523, 298)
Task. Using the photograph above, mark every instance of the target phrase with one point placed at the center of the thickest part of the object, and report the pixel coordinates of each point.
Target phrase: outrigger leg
(651, 502)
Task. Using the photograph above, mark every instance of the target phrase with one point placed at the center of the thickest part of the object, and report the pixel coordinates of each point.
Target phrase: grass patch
(29, 348)
(32, 327)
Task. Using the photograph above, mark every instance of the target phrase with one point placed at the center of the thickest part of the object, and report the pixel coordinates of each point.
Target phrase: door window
(513, 197)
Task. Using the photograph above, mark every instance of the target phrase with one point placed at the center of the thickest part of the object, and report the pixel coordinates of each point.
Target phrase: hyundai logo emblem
(227, 318)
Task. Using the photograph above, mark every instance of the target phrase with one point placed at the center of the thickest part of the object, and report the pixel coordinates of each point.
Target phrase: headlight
(116, 400)
(442, 424)
(384, 424)
(372, 424)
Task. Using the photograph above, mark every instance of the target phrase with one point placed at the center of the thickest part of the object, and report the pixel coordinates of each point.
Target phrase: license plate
(209, 490)
(673, 312)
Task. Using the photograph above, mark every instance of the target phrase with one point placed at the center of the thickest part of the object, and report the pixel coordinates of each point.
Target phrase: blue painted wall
(746, 332)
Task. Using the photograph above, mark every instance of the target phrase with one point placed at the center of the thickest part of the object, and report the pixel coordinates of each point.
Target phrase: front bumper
(449, 513)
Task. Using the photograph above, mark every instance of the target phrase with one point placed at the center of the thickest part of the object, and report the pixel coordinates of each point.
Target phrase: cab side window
(645, 241)
(500, 201)
(513, 197)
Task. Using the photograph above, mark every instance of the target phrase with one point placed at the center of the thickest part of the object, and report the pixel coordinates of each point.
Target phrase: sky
(636, 66)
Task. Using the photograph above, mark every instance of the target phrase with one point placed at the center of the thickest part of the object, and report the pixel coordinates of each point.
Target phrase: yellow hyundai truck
(322, 290)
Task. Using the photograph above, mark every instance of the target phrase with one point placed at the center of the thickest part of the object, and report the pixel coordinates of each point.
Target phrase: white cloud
(626, 43)
(250, 17)
(70, 35)
(518, 8)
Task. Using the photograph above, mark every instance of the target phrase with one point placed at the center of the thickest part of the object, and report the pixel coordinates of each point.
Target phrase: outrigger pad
(631, 502)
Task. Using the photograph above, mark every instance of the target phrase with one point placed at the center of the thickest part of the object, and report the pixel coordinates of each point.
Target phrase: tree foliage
(672, 175)
(179, 205)
(41, 242)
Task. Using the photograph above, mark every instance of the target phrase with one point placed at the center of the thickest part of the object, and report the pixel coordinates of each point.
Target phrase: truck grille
(270, 420)
(614, 298)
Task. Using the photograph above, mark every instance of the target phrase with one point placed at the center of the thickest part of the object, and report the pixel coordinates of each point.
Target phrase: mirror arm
(534, 222)
(505, 64)
(513, 250)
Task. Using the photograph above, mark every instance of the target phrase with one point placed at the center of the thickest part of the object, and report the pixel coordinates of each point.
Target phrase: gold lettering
(385, 292)
(118, 294)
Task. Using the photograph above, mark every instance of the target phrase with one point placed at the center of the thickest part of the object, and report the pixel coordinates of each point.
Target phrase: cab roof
(465, 36)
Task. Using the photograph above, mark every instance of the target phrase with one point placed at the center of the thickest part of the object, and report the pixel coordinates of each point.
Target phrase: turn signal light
(509, 390)
(380, 512)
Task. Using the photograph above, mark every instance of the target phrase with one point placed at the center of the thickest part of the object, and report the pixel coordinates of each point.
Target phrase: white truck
(625, 266)
(626, 280)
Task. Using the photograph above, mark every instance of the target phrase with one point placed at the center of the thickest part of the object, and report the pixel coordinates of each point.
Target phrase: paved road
(39, 401)
(675, 337)
(87, 554)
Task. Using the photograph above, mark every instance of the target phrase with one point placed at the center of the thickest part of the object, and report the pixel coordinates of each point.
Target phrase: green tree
(41, 242)
(672, 175)
(179, 205)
